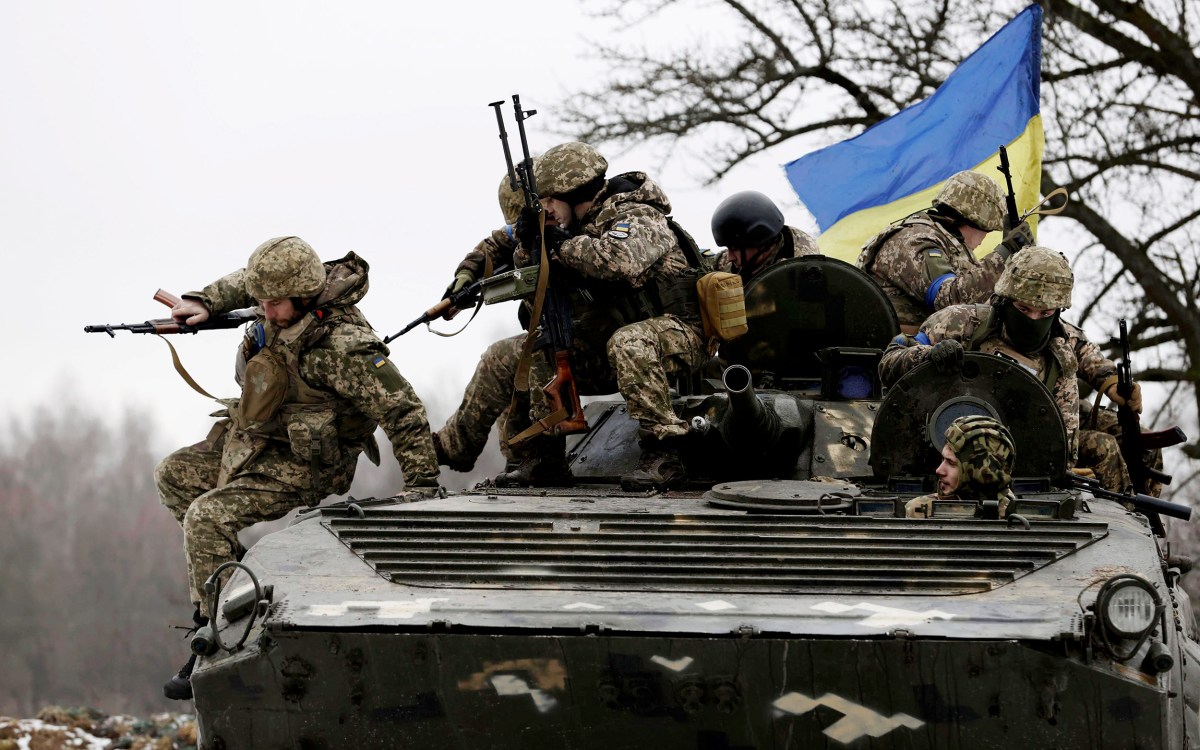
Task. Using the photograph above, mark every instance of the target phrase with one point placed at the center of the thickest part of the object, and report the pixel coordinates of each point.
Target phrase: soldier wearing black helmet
(1023, 325)
(926, 261)
(751, 229)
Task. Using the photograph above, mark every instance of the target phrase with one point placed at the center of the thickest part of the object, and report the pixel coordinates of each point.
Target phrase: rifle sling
(521, 378)
(183, 373)
(487, 272)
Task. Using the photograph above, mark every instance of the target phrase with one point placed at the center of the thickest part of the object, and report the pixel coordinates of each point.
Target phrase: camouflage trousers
(638, 360)
(486, 402)
(1104, 421)
(211, 516)
(1100, 452)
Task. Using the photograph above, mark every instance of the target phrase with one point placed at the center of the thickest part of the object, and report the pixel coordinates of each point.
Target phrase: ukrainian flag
(856, 187)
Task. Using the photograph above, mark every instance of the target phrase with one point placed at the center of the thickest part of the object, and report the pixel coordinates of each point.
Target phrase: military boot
(545, 466)
(660, 467)
(179, 687)
(444, 459)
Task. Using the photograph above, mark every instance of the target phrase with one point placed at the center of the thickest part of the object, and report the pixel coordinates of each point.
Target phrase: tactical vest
(910, 312)
(277, 405)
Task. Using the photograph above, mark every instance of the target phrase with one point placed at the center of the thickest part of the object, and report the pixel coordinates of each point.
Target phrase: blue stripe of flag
(986, 102)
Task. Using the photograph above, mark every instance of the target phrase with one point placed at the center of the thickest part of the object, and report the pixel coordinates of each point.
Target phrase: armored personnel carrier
(783, 600)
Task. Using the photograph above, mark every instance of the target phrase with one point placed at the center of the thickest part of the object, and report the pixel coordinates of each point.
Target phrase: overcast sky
(149, 144)
(156, 144)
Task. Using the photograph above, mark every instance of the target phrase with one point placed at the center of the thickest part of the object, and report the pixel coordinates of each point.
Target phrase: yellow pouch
(722, 305)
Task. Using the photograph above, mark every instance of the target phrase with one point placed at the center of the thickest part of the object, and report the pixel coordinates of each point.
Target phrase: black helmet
(746, 219)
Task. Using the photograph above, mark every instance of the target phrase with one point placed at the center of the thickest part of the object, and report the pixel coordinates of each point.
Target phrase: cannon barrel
(749, 424)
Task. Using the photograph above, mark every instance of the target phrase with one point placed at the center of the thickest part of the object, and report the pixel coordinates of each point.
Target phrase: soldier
(490, 390)
(316, 381)
(636, 316)
(1023, 324)
(926, 261)
(750, 226)
(977, 464)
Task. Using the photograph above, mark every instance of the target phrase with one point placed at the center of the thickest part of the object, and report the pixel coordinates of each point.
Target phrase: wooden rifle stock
(564, 395)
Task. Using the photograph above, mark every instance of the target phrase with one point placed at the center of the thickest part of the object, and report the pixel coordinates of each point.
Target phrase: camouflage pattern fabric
(486, 400)
(918, 251)
(976, 197)
(1067, 355)
(638, 360)
(340, 385)
(1100, 452)
(986, 456)
(1105, 420)
(801, 244)
(622, 243)
(498, 246)
(567, 166)
(284, 267)
(623, 239)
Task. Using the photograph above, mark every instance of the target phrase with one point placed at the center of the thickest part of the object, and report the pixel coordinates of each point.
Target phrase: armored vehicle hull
(587, 621)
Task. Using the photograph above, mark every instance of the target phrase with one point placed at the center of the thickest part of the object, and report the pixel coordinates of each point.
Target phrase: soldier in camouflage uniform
(316, 382)
(926, 262)
(977, 464)
(490, 390)
(636, 316)
(1022, 324)
(751, 229)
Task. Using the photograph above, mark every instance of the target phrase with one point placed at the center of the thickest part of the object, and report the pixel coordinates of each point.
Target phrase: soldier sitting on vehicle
(977, 464)
(926, 261)
(1023, 324)
(635, 313)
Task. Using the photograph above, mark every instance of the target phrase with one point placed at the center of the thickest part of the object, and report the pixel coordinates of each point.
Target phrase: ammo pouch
(264, 388)
(313, 435)
(722, 305)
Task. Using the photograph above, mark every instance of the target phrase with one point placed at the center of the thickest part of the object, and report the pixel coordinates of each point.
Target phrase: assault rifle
(1135, 444)
(1010, 198)
(1148, 505)
(455, 300)
(233, 319)
(555, 312)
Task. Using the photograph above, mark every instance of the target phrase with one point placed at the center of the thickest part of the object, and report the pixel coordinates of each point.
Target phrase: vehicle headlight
(1128, 606)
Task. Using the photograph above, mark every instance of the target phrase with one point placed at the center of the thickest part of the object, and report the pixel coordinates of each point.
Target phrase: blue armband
(932, 292)
(923, 339)
(508, 229)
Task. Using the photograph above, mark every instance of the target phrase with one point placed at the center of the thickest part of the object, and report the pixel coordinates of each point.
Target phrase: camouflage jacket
(792, 243)
(342, 368)
(923, 265)
(497, 247)
(978, 327)
(623, 244)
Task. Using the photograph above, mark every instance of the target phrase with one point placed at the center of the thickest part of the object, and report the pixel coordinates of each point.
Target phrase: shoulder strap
(691, 250)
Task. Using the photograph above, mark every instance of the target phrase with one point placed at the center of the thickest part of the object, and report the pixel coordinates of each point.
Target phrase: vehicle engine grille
(668, 552)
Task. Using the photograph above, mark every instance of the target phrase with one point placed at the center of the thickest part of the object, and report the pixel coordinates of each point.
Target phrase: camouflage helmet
(975, 197)
(746, 219)
(511, 201)
(986, 455)
(1039, 277)
(566, 167)
(284, 267)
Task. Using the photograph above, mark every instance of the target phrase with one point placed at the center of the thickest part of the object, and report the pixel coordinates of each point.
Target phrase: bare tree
(1119, 104)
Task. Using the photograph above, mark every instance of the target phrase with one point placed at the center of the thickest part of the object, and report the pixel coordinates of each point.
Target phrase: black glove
(555, 237)
(946, 355)
(526, 229)
(1015, 239)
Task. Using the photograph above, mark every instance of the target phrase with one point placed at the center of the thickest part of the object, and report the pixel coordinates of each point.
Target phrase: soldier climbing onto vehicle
(751, 229)
(977, 464)
(926, 261)
(316, 382)
(1023, 324)
(635, 312)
